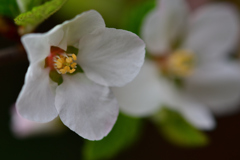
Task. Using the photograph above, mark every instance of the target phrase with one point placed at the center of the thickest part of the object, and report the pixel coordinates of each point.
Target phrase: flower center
(176, 64)
(65, 63)
(180, 63)
(61, 61)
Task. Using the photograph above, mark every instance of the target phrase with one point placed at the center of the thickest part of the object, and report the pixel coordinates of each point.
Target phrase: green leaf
(9, 8)
(27, 5)
(124, 133)
(133, 19)
(56, 77)
(178, 131)
(38, 14)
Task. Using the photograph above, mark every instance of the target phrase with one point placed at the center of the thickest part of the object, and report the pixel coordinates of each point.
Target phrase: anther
(72, 70)
(59, 65)
(64, 63)
(74, 65)
(63, 71)
(74, 57)
(69, 60)
(181, 62)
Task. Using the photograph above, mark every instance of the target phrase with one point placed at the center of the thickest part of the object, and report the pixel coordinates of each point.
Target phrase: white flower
(83, 101)
(212, 79)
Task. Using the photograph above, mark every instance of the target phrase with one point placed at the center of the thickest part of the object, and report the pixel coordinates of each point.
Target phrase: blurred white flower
(83, 101)
(192, 50)
(195, 4)
(23, 128)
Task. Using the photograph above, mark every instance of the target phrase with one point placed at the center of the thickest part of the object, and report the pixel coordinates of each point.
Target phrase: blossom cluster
(84, 72)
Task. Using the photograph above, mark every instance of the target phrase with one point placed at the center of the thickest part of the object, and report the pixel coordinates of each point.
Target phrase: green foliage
(38, 14)
(71, 49)
(133, 19)
(9, 8)
(124, 133)
(178, 131)
(27, 5)
(111, 10)
(56, 77)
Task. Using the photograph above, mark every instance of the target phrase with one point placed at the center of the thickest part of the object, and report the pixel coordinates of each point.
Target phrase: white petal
(36, 99)
(38, 45)
(170, 94)
(164, 25)
(196, 4)
(56, 37)
(213, 32)
(68, 33)
(194, 112)
(111, 57)
(197, 114)
(85, 107)
(142, 96)
(217, 86)
(83, 24)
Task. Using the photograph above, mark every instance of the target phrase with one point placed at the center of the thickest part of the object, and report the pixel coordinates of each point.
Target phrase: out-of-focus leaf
(111, 10)
(27, 5)
(134, 17)
(38, 14)
(124, 133)
(178, 131)
(9, 8)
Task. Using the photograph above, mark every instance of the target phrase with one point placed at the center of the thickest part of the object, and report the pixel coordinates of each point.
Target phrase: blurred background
(64, 144)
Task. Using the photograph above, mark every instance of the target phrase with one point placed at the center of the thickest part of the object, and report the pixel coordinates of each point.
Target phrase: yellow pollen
(63, 71)
(74, 57)
(59, 64)
(61, 60)
(180, 63)
(69, 60)
(73, 65)
(72, 70)
(65, 63)
(67, 68)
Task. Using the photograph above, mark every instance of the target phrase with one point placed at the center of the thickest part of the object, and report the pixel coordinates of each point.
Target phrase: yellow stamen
(180, 63)
(74, 57)
(72, 70)
(63, 71)
(60, 60)
(59, 64)
(69, 60)
(65, 63)
(67, 68)
(73, 65)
